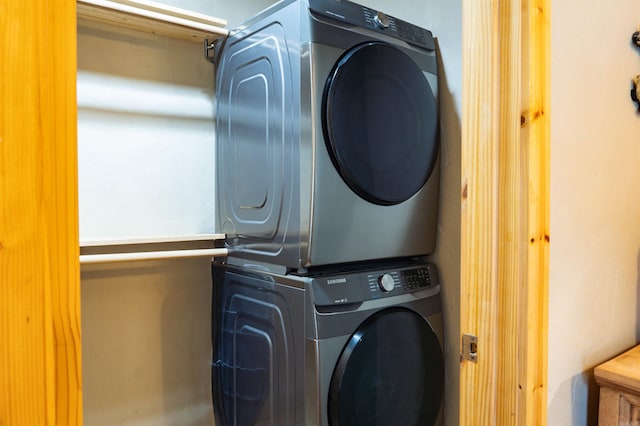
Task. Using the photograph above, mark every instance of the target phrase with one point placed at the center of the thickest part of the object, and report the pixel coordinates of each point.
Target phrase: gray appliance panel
(353, 14)
(294, 209)
(347, 228)
(257, 137)
(286, 314)
(258, 330)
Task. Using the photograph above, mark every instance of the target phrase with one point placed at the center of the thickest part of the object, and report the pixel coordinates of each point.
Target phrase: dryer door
(380, 123)
(391, 372)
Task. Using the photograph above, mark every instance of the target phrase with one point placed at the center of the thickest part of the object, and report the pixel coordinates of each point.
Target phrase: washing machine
(327, 136)
(342, 347)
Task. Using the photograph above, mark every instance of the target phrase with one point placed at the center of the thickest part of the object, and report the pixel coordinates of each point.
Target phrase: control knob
(381, 20)
(386, 282)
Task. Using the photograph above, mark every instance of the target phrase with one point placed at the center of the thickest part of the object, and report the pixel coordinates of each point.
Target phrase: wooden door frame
(505, 213)
(40, 343)
(505, 210)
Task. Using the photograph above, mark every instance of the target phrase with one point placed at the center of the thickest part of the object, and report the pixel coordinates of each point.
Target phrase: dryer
(342, 347)
(327, 136)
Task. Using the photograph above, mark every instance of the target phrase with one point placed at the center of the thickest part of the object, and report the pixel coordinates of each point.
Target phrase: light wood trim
(505, 175)
(536, 135)
(511, 212)
(480, 119)
(40, 347)
(155, 18)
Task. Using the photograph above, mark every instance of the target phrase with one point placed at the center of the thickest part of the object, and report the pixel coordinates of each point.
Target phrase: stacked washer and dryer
(327, 312)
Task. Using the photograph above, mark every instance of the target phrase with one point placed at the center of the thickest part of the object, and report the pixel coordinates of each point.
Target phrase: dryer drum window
(380, 123)
(391, 372)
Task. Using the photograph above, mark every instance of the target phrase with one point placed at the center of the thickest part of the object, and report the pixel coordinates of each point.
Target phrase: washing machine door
(380, 123)
(391, 372)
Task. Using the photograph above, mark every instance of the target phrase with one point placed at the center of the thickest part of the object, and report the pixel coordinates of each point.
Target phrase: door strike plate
(470, 347)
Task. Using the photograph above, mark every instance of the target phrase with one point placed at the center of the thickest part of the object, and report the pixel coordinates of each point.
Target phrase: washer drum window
(391, 373)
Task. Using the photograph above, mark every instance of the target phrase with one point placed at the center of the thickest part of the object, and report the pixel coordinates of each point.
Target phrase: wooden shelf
(106, 242)
(155, 18)
(155, 248)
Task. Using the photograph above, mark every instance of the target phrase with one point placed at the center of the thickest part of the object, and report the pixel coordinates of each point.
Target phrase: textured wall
(595, 201)
(145, 135)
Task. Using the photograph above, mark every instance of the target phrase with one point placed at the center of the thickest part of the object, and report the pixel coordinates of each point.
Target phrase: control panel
(355, 14)
(356, 287)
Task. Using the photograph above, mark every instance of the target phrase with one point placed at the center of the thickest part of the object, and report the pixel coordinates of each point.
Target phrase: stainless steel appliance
(327, 136)
(341, 347)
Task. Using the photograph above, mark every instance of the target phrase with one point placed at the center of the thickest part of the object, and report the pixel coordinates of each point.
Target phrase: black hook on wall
(635, 92)
(635, 83)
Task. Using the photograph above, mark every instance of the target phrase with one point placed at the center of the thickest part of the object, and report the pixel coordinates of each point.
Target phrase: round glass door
(380, 123)
(391, 372)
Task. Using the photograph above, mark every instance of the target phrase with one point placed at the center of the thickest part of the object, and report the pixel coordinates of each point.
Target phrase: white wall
(145, 129)
(235, 12)
(595, 199)
(146, 343)
(145, 135)
(145, 143)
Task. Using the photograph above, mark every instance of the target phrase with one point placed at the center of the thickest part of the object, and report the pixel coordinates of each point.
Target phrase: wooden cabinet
(619, 381)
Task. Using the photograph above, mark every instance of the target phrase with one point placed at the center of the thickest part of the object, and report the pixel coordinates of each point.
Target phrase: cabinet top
(622, 371)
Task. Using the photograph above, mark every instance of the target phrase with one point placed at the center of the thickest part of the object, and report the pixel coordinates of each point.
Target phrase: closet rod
(151, 255)
(152, 240)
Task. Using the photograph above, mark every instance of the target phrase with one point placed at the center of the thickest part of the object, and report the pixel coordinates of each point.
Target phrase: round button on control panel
(381, 20)
(386, 282)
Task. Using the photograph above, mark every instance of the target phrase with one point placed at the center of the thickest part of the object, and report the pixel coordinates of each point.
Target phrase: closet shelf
(155, 18)
(126, 241)
(154, 248)
(86, 259)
